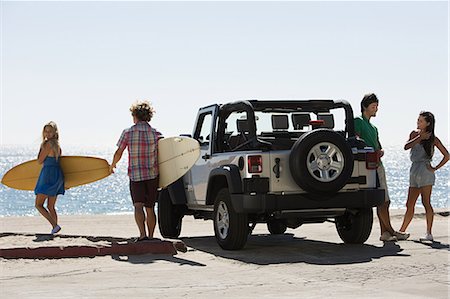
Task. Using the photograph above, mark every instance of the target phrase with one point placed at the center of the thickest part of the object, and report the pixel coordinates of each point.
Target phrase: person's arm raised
(416, 137)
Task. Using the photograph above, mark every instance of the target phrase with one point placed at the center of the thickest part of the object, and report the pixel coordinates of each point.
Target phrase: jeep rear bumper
(269, 203)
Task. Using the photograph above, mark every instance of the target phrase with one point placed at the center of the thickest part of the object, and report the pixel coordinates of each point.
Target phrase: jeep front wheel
(169, 216)
(230, 228)
(355, 228)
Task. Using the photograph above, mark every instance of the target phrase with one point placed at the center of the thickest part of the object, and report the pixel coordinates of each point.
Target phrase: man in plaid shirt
(142, 143)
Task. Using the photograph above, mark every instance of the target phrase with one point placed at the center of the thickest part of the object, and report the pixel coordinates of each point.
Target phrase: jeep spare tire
(321, 161)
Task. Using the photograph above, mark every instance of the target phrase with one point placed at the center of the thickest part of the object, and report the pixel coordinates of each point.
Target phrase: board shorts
(383, 183)
(145, 192)
(420, 176)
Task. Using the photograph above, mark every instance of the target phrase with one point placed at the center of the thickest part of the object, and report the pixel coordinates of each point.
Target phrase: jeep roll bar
(315, 106)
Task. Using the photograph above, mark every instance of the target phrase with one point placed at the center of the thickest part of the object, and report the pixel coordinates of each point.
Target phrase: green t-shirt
(367, 131)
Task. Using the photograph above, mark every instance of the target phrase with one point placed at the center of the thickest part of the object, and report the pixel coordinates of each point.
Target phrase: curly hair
(142, 110)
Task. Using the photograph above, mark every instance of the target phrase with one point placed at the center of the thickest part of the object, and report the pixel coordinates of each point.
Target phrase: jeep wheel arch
(321, 161)
(224, 176)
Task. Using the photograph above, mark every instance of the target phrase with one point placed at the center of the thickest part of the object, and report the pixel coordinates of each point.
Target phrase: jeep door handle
(206, 156)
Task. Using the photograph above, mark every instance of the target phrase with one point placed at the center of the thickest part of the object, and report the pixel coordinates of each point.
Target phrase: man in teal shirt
(367, 131)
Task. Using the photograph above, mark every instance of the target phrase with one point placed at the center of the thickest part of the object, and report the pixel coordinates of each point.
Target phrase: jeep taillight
(254, 164)
(372, 160)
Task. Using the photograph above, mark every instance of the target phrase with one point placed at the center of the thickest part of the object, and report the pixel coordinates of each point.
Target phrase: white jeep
(284, 163)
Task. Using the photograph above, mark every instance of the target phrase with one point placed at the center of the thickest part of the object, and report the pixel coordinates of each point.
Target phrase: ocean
(111, 195)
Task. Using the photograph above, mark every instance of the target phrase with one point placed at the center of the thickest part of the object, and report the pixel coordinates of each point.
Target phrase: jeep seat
(280, 122)
(280, 125)
(243, 132)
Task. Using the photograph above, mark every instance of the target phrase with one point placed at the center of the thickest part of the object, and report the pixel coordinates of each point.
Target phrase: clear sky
(82, 64)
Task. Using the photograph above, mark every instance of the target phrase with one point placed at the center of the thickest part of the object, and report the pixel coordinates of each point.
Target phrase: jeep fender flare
(228, 174)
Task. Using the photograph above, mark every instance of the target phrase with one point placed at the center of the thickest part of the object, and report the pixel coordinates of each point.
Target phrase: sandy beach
(308, 262)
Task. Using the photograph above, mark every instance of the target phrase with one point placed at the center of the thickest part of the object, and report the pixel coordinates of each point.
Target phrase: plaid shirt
(142, 142)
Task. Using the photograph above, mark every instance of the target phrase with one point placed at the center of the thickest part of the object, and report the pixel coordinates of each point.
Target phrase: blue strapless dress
(51, 178)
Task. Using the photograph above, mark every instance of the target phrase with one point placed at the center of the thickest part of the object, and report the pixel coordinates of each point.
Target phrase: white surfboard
(176, 155)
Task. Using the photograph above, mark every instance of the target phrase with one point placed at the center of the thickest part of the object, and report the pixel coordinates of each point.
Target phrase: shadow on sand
(49, 237)
(434, 244)
(151, 258)
(280, 249)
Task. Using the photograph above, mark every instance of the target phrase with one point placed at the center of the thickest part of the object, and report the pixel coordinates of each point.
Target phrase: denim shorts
(420, 176)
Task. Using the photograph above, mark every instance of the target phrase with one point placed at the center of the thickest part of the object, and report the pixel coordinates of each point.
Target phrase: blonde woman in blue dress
(51, 180)
(422, 174)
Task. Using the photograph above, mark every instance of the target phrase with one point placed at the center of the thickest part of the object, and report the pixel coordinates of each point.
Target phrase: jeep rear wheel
(355, 228)
(230, 228)
(169, 216)
(321, 161)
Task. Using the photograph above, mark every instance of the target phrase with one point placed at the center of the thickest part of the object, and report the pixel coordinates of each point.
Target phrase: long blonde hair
(53, 142)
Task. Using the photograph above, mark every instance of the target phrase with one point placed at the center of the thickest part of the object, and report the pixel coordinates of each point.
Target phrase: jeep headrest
(280, 122)
(301, 119)
(242, 125)
(327, 118)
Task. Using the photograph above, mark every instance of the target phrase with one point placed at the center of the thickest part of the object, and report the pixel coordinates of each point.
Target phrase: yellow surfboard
(78, 170)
